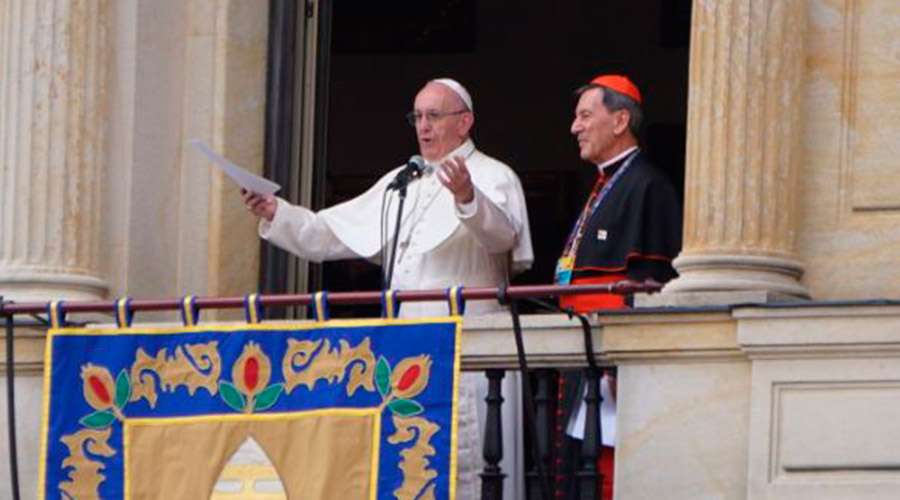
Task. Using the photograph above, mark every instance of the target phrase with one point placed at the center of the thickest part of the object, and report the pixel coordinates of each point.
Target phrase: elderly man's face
(443, 121)
(597, 130)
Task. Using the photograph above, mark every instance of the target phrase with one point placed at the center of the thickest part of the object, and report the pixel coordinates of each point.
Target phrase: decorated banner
(331, 409)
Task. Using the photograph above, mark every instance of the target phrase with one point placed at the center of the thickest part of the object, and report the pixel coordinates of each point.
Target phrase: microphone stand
(401, 193)
(411, 172)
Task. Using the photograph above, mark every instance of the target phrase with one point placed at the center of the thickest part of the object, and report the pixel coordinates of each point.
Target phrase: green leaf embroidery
(268, 397)
(98, 420)
(231, 396)
(383, 377)
(405, 407)
(123, 389)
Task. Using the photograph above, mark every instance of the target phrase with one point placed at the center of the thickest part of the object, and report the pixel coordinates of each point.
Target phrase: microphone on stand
(412, 171)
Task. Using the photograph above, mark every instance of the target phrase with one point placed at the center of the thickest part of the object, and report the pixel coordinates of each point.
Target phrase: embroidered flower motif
(252, 370)
(249, 390)
(98, 386)
(410, 376)
(404, 382)
(104, 395)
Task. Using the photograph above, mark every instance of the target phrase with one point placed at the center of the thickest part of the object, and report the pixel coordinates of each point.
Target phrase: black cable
(530, 410)
(593, 391)
(585, 327)
(11, 402)
(43, 321)
(502, 294)
(382, 235)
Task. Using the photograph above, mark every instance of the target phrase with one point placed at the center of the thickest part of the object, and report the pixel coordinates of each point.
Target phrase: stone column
(747, 60)
(53, 64)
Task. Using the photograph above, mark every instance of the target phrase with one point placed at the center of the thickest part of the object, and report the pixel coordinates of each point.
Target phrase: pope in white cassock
(464, 223)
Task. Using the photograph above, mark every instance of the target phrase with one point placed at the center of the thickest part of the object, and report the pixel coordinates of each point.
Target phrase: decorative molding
(848, 107)
(857, 199)
(831, 455)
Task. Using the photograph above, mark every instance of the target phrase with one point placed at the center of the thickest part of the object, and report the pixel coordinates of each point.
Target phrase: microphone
(412, 171)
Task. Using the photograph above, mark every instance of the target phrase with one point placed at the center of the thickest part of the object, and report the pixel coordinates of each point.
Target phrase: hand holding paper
(260, 205)
(245, 179)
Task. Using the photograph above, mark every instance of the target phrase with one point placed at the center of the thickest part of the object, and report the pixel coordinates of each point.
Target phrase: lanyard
(578, 229)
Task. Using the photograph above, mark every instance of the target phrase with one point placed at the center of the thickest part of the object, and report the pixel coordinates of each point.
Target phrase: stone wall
(849, 188)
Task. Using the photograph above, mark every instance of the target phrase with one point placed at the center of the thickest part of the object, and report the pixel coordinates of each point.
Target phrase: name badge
(564, 267)
(601, 234)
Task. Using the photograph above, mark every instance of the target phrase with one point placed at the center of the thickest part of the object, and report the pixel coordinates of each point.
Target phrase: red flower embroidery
(98, 386)
(251, 373)
(252, 370)
(410, 376)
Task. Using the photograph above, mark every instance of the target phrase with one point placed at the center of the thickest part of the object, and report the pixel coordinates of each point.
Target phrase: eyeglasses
(414, 117)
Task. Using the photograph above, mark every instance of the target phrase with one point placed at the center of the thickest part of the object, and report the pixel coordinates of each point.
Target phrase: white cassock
(440, 245)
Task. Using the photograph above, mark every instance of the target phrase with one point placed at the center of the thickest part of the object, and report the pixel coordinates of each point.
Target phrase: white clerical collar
(621, 155)
(465, 150)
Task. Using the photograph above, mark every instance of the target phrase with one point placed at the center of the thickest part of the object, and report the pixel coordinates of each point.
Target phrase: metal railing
(540, 419)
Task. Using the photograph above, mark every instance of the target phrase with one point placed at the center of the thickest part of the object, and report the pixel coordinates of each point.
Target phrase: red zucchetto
(620, 84)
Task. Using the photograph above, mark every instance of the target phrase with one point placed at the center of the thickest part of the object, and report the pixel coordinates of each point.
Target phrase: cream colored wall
(824, 406)
(850, 182)
(29, 362)
(184, 70)
(28, 390)
(788, 403)
(168, 225)
(682, 429)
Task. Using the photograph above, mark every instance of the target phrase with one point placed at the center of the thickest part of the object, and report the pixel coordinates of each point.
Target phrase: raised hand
(454, 175)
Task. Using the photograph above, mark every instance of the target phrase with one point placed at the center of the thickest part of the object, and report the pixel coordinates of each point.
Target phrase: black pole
(589, 476)
(393, 258)
(11, 402)
(492, 476)
(279, 139)
(542, 440)
(530, 411)
(324, 18)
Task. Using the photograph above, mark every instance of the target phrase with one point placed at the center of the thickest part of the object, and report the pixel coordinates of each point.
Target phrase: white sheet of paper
(243, 177)
(607, 416)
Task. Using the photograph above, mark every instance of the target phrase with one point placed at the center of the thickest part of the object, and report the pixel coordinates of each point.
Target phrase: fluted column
(746, 70)
(53, 62)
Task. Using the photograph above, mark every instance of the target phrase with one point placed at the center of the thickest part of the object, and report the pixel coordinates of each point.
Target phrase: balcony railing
(494, 343)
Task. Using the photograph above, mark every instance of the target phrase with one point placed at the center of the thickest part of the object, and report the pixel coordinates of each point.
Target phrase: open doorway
(521, 62)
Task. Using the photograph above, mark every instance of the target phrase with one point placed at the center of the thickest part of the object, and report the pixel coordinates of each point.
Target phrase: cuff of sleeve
(468, 210)
(266, 228)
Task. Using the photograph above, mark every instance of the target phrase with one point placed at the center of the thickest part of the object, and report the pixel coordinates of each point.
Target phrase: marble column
(746, 71)
(53, 69)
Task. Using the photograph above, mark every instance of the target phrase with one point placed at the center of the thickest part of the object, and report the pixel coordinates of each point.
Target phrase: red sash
(584, 303)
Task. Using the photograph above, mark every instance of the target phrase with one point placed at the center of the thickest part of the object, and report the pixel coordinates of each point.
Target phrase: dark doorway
(520, 61)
